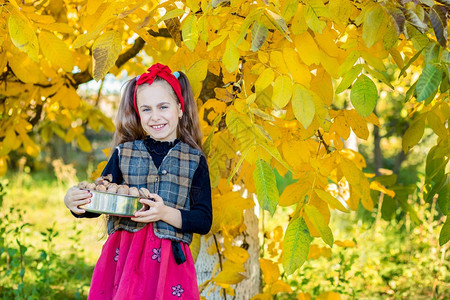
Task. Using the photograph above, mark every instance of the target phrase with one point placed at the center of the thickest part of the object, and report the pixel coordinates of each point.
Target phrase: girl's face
(159, 110)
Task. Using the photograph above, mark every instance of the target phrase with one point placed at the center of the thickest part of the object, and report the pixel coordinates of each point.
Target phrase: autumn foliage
(267, 75)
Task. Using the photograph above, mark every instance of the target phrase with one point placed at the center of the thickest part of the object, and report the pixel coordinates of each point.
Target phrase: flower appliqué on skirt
(177, 290)
(116, 257)
(157, 254)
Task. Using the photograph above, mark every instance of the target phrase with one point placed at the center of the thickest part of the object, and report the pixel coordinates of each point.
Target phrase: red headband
(165, 73)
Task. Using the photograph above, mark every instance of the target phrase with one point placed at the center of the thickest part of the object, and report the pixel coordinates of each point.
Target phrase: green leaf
(296, 243)
(438, 19)
(266, 186)
(171, 14)
(443, 199)
(409, 209)
(398, 18)
(364, 95)
(388, 208)
(190, 32)
(378, 75)
(259, 35)
(444, 236)
(318, 221)
(410, 91)
(247, 23)
(348, 78)
(303, 105)
(314, 10)
(428, 82)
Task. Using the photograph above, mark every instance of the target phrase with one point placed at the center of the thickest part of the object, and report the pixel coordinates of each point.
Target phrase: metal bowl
(113, 204)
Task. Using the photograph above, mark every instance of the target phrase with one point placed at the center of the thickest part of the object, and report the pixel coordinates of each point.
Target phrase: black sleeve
(199, 218)
(112, 167)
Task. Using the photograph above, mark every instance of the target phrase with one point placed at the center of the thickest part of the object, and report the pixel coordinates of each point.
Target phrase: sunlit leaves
(22, 35)
(190, 32)
(413, 134)
(231, 57)
(316, 218)
(364, 95)
(282, 91)
(303, 105)
(105, 51)
(56, 51)
(296, 245)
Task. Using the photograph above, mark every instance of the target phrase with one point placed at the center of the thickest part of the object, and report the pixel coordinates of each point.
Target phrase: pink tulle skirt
(142, 266)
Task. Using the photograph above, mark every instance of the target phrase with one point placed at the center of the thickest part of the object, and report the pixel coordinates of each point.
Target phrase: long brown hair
(128, 123)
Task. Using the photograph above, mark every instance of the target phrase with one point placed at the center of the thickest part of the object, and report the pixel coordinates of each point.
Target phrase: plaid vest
(172, 181)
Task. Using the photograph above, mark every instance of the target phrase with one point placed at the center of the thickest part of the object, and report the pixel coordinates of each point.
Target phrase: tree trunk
(377, 155)
(205, 263)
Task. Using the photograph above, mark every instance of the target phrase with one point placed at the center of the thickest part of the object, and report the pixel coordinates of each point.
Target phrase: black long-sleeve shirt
(199, 218)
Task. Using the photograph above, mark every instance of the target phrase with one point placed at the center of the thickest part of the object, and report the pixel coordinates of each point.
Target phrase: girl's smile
(159, 110)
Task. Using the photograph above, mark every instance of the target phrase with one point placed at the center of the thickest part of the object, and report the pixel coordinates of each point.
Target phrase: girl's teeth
(159, 126)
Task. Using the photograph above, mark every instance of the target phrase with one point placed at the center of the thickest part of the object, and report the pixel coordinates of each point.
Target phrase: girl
(157, 146)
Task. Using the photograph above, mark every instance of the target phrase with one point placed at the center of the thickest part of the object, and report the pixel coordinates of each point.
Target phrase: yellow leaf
(105, 14)
(299, 71)
(303, 296)
(307, 48)
(437, 124)
(298, 157)
(23, 35)
(282, 91)
(333, 202)
(413, 134)
(322, 85)
(345, 244)
(351, 172)
(98, 171)
(298, 22)
(375, 185)
(322, 114)
(330, 64)
(262, 297)
(236, 254)
(196, 74)
(277, 62)
(270, 270)
(92, 6)
(190, 32)
(280, 287)
(312, 14)
(340, 10)
(195, 246)
(105, 51)
(373, 28)
(3, 165)
(231, 273)
(83, 143)
(303, 105)
(56, 51)
(68, 98)
(319, 224)
(58, 27)
(231, 57)
(24, 68)
(329, 296)
(372, 118)
(341, 126)
(293, 193)
(322, 206)
(264, 80)
(357, 123)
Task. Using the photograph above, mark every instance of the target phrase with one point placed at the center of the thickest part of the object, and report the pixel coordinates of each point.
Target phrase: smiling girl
(156, 146)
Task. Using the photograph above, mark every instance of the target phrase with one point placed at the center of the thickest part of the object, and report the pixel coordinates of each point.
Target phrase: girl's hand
(152, 211)
(76, 197)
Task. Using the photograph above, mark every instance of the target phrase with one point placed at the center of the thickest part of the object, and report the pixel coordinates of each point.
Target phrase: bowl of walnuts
(113, 199)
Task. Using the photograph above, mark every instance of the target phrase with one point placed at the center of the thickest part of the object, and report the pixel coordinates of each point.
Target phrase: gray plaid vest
(172, 181)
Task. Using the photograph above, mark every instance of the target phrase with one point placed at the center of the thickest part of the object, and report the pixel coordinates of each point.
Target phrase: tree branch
(138, 45)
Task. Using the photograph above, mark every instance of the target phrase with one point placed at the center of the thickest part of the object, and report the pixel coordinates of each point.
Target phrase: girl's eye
(146, 109)
(163, 107)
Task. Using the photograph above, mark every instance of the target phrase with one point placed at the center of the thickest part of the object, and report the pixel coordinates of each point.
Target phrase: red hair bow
(163, 72)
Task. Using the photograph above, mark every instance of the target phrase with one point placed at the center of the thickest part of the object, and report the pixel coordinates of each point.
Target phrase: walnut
(144, 193)
(123, 190)
(133, 191)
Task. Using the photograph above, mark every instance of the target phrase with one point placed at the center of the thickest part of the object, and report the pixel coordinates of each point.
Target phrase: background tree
(279, 71)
